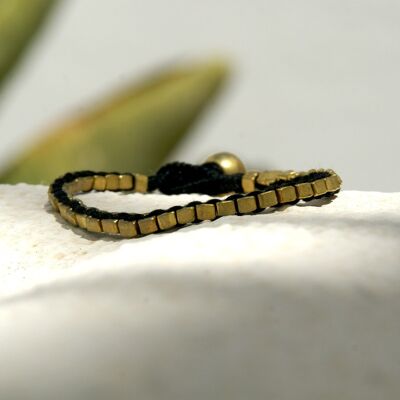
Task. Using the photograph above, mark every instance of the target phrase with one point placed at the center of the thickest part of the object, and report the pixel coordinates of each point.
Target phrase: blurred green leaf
(134, 131)
(19, 20)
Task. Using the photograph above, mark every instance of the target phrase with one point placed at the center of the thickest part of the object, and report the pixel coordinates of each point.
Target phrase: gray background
(315, 83)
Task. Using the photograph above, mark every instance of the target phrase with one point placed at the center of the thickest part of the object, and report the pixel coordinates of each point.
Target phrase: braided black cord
(179, 178)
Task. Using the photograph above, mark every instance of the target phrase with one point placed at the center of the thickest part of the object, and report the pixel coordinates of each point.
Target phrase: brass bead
(267, 199)
(286, 194)
(141, 183)
(148, 225)
(93, 224)
(304, 190)
(167, 220)
(229, 163)
(246, 204)
(225, 207)
(128, 229)
(332, 183)
(249, 181)
(110, 226)
(86, 183)
(319, 187)
(205, 212)
(185, 215)
(112, 182)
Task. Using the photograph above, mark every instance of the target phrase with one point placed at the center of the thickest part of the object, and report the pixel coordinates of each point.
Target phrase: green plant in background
(133, 130)
(19, 20)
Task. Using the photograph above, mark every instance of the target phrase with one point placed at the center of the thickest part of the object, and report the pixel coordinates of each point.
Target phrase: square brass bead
(53, 201)
(126, 182)
(167, 220)
(304, 190)
(205, 212)
(319, 187)
(249, 181)
(332, 183)
(267, 177)
(185, 215)
(74, 187)
(286, 194)
(267, 199)
(99, 183)
(81, 220)
(148, 225)
(112, 182)
(226, 207)
(93, 224)
(63, 210)
(110, 226)
(71, 217)
(67, 213)
(246, 204)
(86, 183)
(127, 228)
(141, 183)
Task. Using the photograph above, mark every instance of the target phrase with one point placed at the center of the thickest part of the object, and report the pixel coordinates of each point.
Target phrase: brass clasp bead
(228, 162)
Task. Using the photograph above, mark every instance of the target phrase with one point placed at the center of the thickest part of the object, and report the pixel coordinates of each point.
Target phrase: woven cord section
(304, 186)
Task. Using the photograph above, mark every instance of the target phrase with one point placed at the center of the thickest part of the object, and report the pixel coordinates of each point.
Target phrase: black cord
(179, 178)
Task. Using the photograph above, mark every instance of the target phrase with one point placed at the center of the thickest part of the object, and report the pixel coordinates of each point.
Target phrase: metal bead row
(255, 198)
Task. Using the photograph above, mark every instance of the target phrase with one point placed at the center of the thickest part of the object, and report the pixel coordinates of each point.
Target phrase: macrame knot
(178, 178)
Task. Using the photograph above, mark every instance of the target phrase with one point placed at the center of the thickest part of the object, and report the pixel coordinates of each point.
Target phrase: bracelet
(221, 175)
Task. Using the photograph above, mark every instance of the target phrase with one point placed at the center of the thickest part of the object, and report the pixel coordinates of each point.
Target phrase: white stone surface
(301, 303)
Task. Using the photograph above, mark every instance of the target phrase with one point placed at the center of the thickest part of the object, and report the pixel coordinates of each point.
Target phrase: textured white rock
(301, 303)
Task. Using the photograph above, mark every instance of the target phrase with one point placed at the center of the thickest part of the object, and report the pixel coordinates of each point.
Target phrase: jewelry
(220, 175)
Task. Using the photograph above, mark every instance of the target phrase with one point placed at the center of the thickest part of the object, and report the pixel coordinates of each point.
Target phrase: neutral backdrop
(315, 83)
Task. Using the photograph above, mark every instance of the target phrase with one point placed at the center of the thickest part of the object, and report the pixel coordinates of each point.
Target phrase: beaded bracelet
(221, 174)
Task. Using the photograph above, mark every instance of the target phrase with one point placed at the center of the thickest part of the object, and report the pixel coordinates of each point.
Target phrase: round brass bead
(229, 163)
